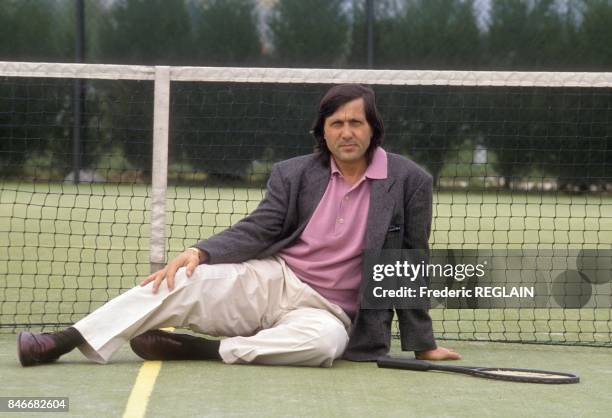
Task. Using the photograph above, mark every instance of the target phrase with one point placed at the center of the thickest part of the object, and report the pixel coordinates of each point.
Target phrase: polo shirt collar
(377, 168)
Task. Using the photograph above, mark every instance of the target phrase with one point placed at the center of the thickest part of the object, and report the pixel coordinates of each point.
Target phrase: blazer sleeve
(256, 232)
(415, 326)
(418, 212)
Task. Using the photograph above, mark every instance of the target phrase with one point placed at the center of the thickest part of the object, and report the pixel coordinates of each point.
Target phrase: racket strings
(518, 373)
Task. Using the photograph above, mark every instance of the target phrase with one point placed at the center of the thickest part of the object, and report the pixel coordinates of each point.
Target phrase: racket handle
(403, 363)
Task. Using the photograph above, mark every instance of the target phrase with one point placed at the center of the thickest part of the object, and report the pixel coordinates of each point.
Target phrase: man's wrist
(197, 251)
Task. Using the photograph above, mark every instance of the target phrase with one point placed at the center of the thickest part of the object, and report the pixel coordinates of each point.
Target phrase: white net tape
(300, 75)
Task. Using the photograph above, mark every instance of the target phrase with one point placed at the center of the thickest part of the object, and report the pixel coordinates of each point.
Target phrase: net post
(161, 116)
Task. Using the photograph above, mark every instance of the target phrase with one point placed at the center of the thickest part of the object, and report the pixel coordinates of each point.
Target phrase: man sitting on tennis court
(283, 284)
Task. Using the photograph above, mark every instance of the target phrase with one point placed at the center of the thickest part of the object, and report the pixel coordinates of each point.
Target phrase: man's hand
(188, 258)
(439, 353)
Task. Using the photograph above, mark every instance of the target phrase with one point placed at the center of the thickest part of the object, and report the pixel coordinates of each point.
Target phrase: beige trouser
(269, 315)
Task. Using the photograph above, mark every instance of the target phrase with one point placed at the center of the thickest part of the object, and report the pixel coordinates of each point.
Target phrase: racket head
(523, 375)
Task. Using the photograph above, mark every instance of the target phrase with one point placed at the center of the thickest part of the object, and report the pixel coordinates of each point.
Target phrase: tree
(431, 34)
(34, 113)
(385, 15)
(226, 33)
(210, 32)
(518, 125)
(580, 152)
(146, 32)
(222, 128)
(211, 130)
(135, 32)
(594, 35)
(309, 33)
(426, 123)
(523, 126)
(586, 158)
(36, 30)
(535, 35)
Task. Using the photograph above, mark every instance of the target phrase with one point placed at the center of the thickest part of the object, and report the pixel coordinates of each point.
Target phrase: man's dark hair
(338, 96)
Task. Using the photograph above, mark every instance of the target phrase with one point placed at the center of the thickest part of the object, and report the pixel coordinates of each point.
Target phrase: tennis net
(166, 156)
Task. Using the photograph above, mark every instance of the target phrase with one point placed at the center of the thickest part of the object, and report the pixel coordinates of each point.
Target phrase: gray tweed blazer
(399, 217)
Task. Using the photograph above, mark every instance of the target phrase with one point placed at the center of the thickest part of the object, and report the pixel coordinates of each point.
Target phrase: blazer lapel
(313, 191)
(379, 215)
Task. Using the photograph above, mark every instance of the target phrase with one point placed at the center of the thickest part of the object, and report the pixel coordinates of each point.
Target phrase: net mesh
(65, 249)
(514, 167)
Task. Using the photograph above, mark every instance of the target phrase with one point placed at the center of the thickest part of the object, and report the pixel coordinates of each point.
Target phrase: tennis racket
(498, 373)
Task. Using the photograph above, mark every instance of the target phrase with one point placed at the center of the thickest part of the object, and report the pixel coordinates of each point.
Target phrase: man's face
(348, 133)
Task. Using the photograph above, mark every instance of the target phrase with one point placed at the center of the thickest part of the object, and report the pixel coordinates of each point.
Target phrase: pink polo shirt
(328, 254)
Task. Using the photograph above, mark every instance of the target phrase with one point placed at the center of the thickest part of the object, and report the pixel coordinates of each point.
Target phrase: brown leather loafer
(35, 348)
(162, 345)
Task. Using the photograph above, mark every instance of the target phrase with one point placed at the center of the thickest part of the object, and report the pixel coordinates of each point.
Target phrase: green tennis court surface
(348, 389)
(72, 248)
